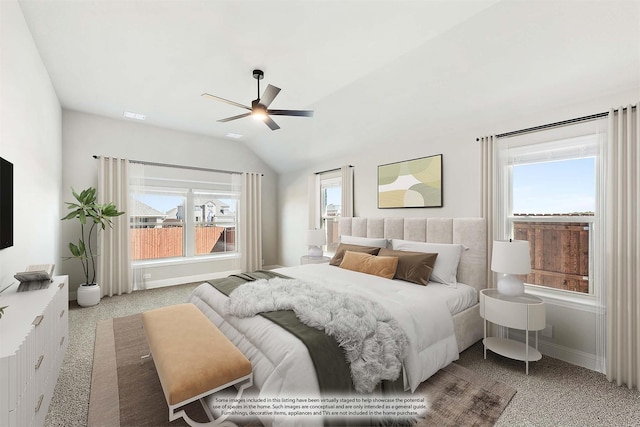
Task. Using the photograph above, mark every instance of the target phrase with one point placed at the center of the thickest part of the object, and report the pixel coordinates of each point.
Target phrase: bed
(281, 363)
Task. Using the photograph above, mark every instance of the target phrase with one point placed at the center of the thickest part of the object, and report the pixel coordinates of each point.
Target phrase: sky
(334, 196)
(554, 187)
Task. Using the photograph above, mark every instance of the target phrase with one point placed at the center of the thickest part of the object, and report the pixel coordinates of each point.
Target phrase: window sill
(182, 260)
(567, 299)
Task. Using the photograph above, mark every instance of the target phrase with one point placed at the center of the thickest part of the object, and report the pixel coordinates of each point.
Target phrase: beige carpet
(126, 392)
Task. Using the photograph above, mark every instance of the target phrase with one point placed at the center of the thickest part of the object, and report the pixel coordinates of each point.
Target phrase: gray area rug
(127, 392)
(460, 397)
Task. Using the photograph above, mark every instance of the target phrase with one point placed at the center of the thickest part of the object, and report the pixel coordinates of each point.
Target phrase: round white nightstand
(306, 259)
(524, 312)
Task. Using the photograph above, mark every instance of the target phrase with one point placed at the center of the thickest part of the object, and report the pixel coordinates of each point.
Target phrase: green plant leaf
(71, 215)
(75, 251)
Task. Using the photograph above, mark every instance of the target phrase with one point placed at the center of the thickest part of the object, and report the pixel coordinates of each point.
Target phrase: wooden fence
(559, 253)
(152, 243)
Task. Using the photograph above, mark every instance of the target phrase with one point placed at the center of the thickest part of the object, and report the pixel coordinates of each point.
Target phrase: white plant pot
(88, 295)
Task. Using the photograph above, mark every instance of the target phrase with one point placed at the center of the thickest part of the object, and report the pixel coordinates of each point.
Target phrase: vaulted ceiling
(363, 66)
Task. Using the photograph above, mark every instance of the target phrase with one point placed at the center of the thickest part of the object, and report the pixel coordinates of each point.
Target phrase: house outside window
(215, 223)
(552, 198)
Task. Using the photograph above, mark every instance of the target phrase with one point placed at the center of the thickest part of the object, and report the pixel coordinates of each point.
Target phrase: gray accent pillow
(344, 247)
(415, 267)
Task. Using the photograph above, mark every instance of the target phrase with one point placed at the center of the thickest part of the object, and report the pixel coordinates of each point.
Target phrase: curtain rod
(556, 124)
(179, 166)
(331, 170)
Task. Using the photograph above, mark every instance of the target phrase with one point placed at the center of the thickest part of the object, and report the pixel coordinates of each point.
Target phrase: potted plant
(88, 211)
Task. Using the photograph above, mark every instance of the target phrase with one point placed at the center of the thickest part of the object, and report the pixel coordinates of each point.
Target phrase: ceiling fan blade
(269, 122)
(298, 113)
(228, 119)
(217, 98)
(269, 95)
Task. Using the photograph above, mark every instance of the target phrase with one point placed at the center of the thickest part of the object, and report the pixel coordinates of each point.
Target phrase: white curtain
(136, 189)
(623, 247)
(487, 196)
(313, 200)
(251, 222)
(114, 263)
(347, 191)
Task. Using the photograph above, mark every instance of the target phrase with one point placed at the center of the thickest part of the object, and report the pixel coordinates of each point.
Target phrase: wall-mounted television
(6, 203)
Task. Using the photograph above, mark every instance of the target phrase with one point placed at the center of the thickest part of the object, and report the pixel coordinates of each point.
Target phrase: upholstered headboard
(471, 232)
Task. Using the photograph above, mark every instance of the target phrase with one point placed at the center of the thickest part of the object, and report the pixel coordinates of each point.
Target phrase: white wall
(573, 326)
(85, 135)
(461, 165)
(30, 138)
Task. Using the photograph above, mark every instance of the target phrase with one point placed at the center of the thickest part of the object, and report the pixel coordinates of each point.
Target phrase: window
(330, 198)
(552, 199)
(553, 208)
(215, 223)
(330, 207)
(182, 213)
(157, 223)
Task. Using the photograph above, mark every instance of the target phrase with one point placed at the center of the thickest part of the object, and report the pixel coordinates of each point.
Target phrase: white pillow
(446, 267)
(364, 241)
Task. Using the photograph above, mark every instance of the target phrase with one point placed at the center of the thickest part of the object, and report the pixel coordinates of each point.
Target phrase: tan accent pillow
(344, 247)
(413, 267)
(383, 266)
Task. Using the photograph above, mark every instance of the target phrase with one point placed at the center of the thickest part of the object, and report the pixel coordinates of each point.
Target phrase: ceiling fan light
(259, 116)
(259, 113)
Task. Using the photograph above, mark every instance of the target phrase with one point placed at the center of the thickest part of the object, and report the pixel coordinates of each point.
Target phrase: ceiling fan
(259, 107)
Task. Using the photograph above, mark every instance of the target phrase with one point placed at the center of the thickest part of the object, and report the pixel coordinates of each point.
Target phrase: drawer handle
(62, 312)
(37, 320)
(61, 341)
(61, 285)
(40, 359)
(39, 402)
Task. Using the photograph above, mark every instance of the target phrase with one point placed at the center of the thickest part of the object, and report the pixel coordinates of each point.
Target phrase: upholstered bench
(193, 359)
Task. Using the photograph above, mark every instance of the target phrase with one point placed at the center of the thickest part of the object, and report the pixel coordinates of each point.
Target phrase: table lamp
(511, 257)
(315, 239)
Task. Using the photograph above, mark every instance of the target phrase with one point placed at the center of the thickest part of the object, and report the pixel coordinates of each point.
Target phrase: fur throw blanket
(374, 344)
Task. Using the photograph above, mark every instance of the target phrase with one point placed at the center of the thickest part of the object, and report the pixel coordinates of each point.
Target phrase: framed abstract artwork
(413, 183)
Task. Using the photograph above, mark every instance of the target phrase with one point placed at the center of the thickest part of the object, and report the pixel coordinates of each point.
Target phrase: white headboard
(471, 232)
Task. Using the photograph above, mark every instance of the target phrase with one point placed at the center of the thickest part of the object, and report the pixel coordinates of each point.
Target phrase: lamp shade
(316, 237)
(511, 257)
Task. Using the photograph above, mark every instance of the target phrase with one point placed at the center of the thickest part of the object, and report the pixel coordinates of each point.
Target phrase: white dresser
(33, 339)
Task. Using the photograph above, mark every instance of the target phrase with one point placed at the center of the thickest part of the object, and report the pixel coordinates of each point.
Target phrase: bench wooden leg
(242, 384)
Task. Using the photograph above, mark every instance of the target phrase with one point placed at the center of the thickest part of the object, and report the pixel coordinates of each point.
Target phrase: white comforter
(281, 363)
